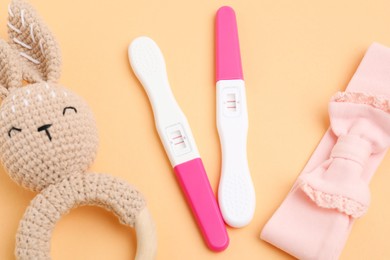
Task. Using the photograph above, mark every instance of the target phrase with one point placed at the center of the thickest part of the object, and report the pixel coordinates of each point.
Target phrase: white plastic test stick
(236, 193)
(148, 64)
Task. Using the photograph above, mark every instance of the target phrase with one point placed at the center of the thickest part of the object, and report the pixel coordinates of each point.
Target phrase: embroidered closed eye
(69, 108)
(14, 129)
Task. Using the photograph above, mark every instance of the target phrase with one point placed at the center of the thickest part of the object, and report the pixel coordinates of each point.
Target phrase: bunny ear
(10, 73)
(35, 43)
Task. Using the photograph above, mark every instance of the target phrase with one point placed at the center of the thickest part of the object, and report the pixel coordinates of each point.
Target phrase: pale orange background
(295, 54)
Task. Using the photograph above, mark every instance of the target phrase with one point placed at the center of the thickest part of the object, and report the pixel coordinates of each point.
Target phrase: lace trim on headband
(379, 102)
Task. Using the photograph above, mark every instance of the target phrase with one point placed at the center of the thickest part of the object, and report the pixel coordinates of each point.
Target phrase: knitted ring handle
(35, 228)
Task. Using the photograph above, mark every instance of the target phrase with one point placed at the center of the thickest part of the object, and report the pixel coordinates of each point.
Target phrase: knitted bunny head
(46, 131)
(48, 139)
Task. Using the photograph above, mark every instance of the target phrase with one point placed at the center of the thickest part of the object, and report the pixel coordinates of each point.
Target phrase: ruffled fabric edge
(375, 101)
(334, 201)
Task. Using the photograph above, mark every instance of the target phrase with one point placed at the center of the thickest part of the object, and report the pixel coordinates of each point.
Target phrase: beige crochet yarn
(48, 139)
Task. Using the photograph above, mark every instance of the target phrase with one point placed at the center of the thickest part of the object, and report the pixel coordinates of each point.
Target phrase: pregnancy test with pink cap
(148, 64)
(236, 193)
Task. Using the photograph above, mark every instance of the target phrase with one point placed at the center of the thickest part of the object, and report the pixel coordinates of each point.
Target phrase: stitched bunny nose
(46, 129)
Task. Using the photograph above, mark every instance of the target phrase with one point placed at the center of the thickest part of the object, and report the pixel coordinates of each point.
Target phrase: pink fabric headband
(332, 191)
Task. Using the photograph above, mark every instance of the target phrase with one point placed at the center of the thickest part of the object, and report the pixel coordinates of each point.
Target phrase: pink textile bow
(362, 124)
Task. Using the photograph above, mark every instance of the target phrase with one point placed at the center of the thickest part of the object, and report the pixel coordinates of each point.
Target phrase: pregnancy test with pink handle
(148, 64)
(236, 193)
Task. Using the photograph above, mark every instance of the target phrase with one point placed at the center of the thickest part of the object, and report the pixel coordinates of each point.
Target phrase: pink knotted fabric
(315, 219)
(361, 123)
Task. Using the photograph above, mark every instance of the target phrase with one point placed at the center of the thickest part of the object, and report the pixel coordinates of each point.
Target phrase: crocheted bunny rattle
(48, 139)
